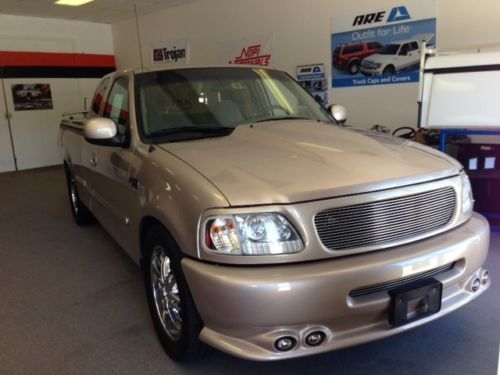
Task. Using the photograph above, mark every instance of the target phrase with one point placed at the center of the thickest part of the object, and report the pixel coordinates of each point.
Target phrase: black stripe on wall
(54, 72)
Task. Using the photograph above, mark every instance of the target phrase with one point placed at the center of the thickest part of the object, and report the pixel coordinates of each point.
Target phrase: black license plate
(415, 301)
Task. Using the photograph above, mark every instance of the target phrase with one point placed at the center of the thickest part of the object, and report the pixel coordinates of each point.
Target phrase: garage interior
(72, 300)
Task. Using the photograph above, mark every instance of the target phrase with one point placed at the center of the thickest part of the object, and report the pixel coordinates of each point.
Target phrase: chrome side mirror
(339, 113)
(102, 131)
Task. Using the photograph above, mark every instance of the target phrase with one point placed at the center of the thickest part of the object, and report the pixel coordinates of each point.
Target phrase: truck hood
(295, 161)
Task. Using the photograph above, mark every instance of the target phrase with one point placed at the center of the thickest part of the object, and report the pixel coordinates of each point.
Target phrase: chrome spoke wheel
(73, 195)
(166, 293)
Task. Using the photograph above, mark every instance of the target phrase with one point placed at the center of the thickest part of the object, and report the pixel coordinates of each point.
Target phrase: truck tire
(173, 312)
(388, 70)
(81, 214)
(353, 67)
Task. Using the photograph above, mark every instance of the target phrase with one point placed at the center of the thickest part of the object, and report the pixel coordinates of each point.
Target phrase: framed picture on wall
(32, 96)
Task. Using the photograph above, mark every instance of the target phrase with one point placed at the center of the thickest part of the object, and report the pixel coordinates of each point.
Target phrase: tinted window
(353, 48)
(413, 46)
(374, 45)
(404, 49)
(116, 107)
(389, 49)
(213, 99)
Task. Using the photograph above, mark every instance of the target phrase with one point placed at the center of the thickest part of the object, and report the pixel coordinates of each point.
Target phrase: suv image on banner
(349, 56)
(392, 58)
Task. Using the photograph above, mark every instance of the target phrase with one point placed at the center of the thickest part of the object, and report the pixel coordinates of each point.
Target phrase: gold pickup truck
(265, 228)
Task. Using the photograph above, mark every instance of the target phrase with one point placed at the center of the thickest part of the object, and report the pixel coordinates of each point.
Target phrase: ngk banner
(170, 52)
(249, 51)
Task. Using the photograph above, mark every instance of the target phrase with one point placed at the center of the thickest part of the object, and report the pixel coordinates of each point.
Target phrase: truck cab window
(98, 99)
(116, 107)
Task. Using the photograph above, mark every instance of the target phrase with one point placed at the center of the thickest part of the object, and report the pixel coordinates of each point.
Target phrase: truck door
(110, 167)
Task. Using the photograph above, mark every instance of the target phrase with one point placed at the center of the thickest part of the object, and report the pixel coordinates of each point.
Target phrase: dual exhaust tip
(287, 343)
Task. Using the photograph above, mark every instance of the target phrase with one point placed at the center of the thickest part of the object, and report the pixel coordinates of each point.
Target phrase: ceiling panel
(105, 11)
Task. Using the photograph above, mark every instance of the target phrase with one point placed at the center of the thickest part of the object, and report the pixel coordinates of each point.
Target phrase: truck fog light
(315, 338)
(476, 284)
(285, 343)
(485, 277)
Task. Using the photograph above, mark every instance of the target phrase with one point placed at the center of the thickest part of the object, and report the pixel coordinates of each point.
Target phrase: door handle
(134, 183)
(93, 160)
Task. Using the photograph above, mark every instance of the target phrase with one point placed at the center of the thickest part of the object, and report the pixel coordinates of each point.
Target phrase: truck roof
(183, 67)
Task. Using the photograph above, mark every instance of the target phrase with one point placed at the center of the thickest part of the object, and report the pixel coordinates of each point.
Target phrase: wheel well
(354, 59)
(146, 223)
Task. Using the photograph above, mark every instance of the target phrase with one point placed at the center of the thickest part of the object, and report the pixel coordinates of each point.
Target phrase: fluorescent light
(72, 3)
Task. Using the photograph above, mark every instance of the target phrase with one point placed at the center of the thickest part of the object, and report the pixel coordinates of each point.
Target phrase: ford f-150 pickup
(265, 228)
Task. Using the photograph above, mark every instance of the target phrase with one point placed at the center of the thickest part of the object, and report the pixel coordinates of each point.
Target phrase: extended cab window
(404, 50)
(414, 46)
(98, 99)
(116, 107)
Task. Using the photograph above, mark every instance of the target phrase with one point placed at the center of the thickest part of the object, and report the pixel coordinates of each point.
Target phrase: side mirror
(102, 131)
(339, 113)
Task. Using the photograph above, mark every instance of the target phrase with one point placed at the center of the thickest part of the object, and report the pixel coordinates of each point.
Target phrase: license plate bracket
(415, 301)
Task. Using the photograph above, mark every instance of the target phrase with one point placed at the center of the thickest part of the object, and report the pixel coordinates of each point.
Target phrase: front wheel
(389, 70)
(172, 309)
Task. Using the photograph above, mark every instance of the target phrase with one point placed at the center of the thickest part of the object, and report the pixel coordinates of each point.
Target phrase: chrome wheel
(73, 195)
(166, 293)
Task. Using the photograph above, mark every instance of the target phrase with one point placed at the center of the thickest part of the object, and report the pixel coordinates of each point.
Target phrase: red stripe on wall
(12, 58)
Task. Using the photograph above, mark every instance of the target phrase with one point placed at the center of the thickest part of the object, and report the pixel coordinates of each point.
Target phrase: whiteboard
(461, 100)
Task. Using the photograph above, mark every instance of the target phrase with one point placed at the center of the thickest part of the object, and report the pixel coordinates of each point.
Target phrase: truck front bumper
(245, 309)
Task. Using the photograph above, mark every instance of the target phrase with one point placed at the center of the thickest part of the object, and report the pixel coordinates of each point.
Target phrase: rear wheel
(353, 67)
(81, 214)
(171, 305)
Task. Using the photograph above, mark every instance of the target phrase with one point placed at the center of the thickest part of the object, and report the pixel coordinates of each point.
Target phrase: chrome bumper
(246, 309)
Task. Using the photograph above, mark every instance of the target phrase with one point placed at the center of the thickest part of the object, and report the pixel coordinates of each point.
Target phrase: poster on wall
(255, 50)
(32, 96)
(382, 46)
(313, 79)
(174, 51)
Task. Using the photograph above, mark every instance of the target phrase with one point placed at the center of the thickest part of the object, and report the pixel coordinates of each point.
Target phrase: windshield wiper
(284, 118)
(204, 130)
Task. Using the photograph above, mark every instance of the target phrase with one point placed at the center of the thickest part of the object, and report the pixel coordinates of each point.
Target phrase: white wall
(35, 132)
(301, 36)
(51, 35)
(302, 32)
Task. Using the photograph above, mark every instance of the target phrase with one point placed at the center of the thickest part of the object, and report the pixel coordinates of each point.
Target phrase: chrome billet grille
(386, 221)
(383, 287)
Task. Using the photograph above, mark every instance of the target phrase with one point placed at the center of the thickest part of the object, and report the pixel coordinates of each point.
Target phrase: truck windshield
(389, 49)
(208, 102)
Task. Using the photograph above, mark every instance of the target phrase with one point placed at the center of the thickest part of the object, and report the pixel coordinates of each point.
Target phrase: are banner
(382, 46)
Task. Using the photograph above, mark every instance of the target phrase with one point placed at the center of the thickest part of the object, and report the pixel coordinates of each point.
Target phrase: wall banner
(313, 79)
(255, 50)
(174, 51)
(382, 46)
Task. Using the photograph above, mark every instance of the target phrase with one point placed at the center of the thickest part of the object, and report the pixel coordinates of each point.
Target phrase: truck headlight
(252, 234)
(467, 197)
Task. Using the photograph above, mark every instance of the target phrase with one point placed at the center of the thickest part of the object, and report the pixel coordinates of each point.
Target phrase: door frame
(8, 117)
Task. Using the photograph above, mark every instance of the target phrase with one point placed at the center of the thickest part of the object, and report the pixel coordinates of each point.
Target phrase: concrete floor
(72, 302)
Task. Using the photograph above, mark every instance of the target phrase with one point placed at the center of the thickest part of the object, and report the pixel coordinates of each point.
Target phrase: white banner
(174, 51)
(256, 50)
